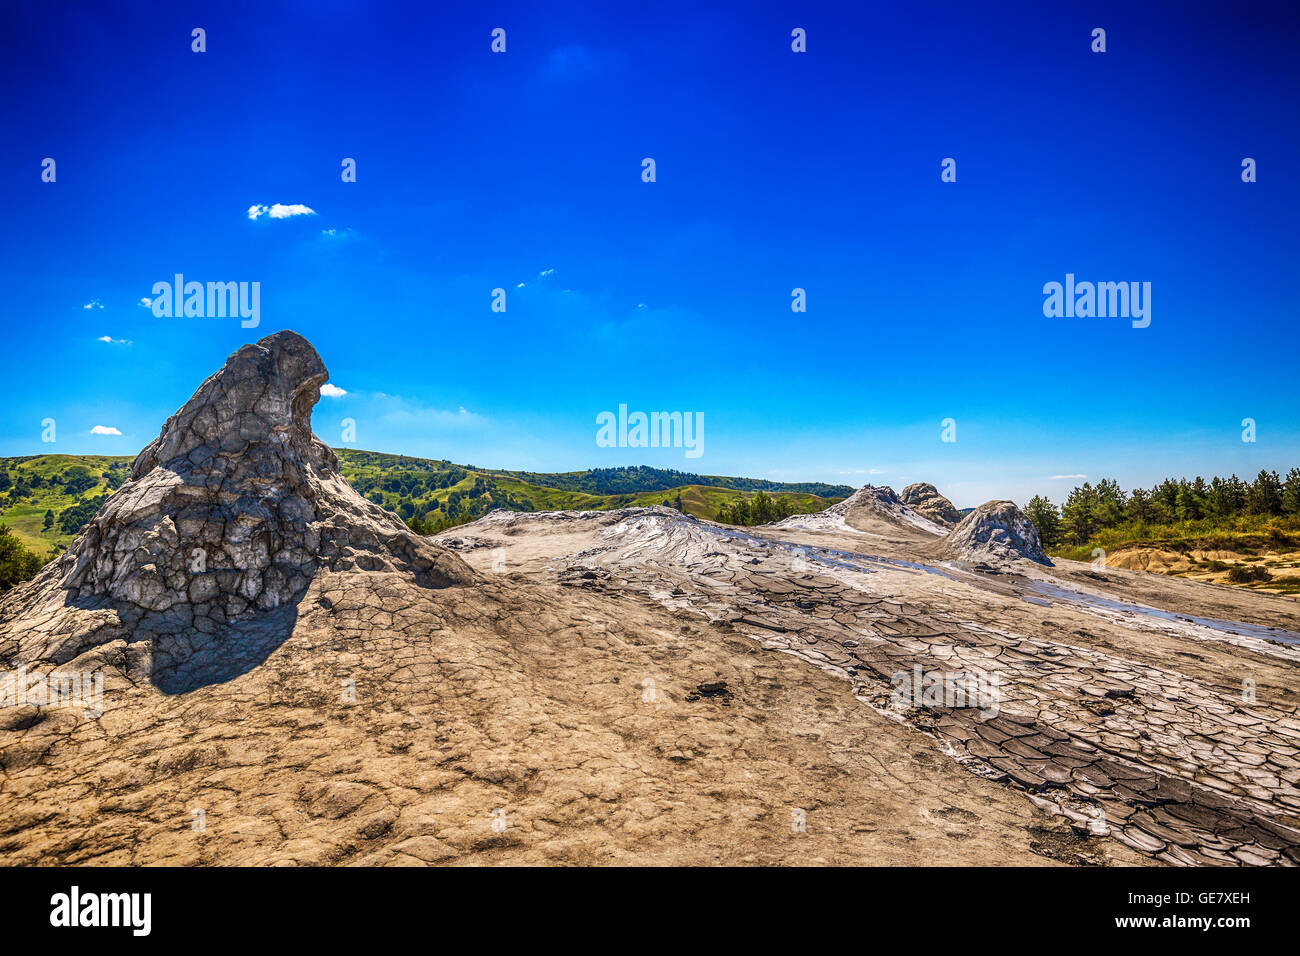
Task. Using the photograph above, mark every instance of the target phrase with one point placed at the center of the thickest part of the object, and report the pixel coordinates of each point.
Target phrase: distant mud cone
(870, 508)
(924, 498)
(996, 530)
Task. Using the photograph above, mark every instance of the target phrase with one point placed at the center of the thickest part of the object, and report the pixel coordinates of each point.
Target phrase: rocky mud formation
(632, 687)
(995, 531)
(924, 499)
(871, 509)
(227, 517)
(290, 677)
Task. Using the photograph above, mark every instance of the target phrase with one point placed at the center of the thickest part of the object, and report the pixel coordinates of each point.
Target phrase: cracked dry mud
(637, 687)
(1132, 727)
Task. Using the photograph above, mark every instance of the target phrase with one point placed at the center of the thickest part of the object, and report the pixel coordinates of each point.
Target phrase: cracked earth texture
(632, 687)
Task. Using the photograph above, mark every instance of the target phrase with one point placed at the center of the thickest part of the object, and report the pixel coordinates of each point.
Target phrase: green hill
(46, 499)
(432, 495)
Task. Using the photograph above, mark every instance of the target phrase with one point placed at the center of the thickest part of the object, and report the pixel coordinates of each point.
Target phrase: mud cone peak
(924, 498)
(263, 394)
(228, 516)
(995, 530)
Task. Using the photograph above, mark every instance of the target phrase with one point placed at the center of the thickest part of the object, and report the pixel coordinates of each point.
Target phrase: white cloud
(395, 411)
(1068, 477)
(112, 341)
(145, 302)
(874, 471)
(93, 304)
(520, 286)
(280, 211)
(330, 390)
(104, 430)
(545, 272)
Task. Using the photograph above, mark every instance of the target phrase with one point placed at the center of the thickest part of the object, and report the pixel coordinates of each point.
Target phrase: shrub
(17, 564)
(1244, 575)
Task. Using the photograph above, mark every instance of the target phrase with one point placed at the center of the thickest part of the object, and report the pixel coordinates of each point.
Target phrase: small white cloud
(280, 211)
(104, 430)
(112, 341)
(146, 302)
(545, 272)
(520, 286)
(330, 390)
(1068, 477)
(93, 304)
(639, 305)
(397, 412)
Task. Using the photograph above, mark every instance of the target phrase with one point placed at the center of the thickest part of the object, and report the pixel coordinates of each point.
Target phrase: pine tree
(1080, 513)
(1111, 502)
(1265, 496)
(1045, 518)
(1189, 509)
(1291, 493)
(1140, 507)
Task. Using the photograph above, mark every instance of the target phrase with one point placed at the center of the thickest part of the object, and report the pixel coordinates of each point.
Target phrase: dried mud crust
(1133, 729)
(324, 687)
(575, 719)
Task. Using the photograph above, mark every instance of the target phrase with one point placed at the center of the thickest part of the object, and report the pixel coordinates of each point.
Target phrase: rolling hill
(46, 499)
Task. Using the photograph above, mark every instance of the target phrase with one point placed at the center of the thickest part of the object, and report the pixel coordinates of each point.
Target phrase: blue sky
(775, 170)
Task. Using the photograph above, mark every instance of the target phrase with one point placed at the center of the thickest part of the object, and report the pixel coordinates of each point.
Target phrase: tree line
(1090, 508)
(636, 479)
(762, 508)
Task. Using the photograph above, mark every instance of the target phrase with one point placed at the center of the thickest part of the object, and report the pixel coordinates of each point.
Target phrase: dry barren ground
(290, 676)
(570, 720)
(1157, 713)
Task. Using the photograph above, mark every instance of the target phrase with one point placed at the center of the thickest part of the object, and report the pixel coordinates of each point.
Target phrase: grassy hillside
(637, 479)
(46, 499)
(432, 495)
(68, 487)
